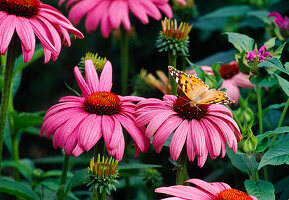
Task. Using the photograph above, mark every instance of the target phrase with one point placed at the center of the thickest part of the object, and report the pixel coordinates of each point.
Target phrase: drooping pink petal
(178, 140)
(27, 38)
(107, 127)
(198, 136)
(164, 131)
(89, 132)
(137, 9)
(7, 29)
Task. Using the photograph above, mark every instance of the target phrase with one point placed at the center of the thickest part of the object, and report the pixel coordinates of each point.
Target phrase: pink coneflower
(203, 128)
(233, 79)
(261, 56)
(283, 23)
(204, 191)
(110, 14)
(79, 122)
(29, 17)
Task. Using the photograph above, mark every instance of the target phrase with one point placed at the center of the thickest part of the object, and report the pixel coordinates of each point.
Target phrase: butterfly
(197, 91)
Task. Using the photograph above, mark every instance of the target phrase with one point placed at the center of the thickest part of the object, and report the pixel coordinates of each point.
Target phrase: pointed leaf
(284, 84)
(262, 190)
(17, 189)
(240, 41)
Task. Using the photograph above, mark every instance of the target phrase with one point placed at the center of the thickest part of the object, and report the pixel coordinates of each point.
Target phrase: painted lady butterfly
(197, 91)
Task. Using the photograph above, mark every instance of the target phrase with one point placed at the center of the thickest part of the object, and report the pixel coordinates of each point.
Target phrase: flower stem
(124, 61)
(96, 195)
(259, 108)
(182, 173)
(15, 154)
(280, 121)
(173, 63)
(63, 176)
(150, 190)
(10, 62)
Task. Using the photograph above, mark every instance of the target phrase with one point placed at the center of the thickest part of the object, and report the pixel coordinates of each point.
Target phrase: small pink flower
(261, 56)
(79, 122)
(30, 18)
(203, 191)
(233, 79)
(203, 128)
(110, 14)
(283, 23)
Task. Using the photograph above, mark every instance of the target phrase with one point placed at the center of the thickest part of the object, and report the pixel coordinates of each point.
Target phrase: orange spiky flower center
(227, 71)
(232, 194)
(22, 8)
(171, 29)
(186, 111)
(102, 103)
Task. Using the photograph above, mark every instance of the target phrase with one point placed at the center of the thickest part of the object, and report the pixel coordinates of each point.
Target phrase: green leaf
(25, 120)
(132, 166)
(273, 63)
(273, 106)
(228, 11)
(198, 69)
(262, 190)
(216, 67)
(262, 74)
(270, 43)
(22, 168)
(16, 83)
(282, 185)
(240, 41)
(17, 189)
(284, 84)
(77, 179)
(277, 54)
(277, 155)
(245, 164)
(269, 134)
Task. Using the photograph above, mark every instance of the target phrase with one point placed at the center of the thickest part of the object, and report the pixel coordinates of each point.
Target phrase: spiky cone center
(102, 103)
(232, 194)
(228, 71)
(22, 8)
(171, 29)
(97, 61)
(103, 168)
(187, 111)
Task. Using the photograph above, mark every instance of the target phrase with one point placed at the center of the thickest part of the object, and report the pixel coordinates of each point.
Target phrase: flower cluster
(258, 56)
(282, 22)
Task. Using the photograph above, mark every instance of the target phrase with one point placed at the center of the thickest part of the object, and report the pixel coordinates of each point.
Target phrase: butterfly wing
(192, 86)
(215, 97)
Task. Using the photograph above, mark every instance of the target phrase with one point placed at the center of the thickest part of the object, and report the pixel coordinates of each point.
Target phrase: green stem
(260, 113)
(63, 177)
(184, 63)
(149, 191)
(124, 61)
(173, 63)
(182, 172)
(15, 155)
(280, 121)
(10, 62)
(96, 195)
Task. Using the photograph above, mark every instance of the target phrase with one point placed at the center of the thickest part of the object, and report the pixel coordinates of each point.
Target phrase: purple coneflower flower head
(282, 22)
(203, 190)
(261, 56)
(203, 128)
(30, 18)
(110, 14)
(78, 123)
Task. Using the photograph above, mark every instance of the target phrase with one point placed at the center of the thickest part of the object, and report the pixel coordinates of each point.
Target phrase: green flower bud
(250, 144)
